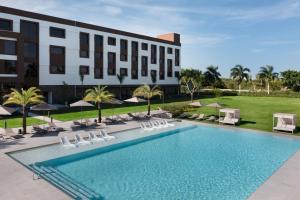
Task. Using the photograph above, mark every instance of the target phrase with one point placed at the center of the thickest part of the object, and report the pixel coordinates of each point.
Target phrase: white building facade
(60, 56)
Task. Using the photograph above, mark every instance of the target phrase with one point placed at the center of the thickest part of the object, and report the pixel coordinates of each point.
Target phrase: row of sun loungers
(93, 138)
(52, 127)
(155, 124)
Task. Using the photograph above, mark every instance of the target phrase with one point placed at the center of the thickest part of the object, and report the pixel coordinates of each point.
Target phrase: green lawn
(256, 112)
(16, 121)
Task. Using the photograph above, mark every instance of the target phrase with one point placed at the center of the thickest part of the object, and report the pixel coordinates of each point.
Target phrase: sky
(219, 32)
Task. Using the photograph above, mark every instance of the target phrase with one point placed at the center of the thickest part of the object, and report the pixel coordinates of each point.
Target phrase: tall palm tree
(98, 95)
(267, 74)
(148, 93)
(24, 98)
(121, 80)
(240, 73)
(212, 75)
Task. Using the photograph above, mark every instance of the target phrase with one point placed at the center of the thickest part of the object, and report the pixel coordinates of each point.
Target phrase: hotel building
(54, 54)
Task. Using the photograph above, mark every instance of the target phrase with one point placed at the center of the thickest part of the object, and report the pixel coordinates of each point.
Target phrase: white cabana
(284, 122)
(232, 116)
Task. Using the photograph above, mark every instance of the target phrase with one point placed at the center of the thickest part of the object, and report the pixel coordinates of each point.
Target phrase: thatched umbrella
(135, 100)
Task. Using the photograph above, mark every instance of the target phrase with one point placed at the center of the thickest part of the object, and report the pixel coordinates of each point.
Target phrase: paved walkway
(43, 118)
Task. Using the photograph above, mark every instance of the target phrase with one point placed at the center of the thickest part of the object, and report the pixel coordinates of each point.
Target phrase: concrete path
(43, 118)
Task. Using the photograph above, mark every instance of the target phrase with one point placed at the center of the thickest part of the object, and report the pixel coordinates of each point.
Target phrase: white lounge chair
(80, 141)
(200, 117)
(106, 136)
(93, 137)
(146, 127)
(167, 123)
(155, 124)
(66, 142)
(194, 116)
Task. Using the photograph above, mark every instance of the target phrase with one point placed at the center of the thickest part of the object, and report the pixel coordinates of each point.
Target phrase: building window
(8, 47)
(144, 46)
(8, 67)
(6, 25)
(161, 63)
(98, 68)
(84, 70)
(57, 32)
(123, 50)
(29, 30)
(170, 50)
(84, 45)
(177, 74)
(30, 50)
(111, 70)
(57, 60)
(134, 59)
(123, 71)
(153, 76)
(170, 68)
(111, 41)
(153, 54)
(177, 57)
(144, 66)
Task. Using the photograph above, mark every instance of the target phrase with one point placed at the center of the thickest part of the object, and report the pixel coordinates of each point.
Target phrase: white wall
(73, 61)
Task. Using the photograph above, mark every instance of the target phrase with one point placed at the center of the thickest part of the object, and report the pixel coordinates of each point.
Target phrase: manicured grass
(16, 121)
(256, 112)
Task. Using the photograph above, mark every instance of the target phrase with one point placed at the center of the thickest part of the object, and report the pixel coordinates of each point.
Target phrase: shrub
(176, 108)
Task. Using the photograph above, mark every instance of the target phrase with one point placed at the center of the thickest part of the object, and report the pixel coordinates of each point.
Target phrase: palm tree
(121, 80)
(212, 75)
(147, 92)
(24, 98)
(268, 75)
(98, 95)
(240, 73)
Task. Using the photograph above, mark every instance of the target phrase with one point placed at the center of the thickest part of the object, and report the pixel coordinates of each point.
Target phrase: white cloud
(257, 50)
(205, 40)
(113, 11)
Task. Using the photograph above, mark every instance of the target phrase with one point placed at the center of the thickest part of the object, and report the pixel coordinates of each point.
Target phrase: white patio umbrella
(196, 104)
(215, 105)
(135, 100)
(81, 104)
(6, 111)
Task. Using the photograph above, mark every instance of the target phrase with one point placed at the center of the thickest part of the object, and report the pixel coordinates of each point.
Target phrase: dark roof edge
(49, 18)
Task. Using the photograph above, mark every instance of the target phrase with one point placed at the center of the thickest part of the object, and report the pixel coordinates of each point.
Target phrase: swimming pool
(194, 162)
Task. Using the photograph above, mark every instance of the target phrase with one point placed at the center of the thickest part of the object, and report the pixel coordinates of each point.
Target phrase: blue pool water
(193, 163)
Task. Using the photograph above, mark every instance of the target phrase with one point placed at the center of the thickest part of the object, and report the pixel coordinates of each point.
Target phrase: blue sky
(219, 32)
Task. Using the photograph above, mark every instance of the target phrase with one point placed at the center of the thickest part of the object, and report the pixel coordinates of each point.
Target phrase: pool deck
(17, 183)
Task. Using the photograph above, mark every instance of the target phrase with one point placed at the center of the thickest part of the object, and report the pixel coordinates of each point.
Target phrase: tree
(291, 79)
(239, 73)
(24, 98)
(148, 93)
(190, 85)
(121, 80)
(212, 77)
(98, 95)
(268, 75)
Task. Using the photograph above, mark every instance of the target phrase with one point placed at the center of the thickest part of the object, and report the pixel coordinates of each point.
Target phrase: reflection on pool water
(193, 162)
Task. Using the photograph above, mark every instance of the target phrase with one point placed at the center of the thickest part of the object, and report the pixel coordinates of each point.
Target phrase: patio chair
(194, 116)
(66, 142)
(200, 117)
(54, 127)
(93, 137)
(80, 141)
(106, 136)
(37, 129)
(212, 118)
(167, 123)
(9, 133)
(183, 115)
